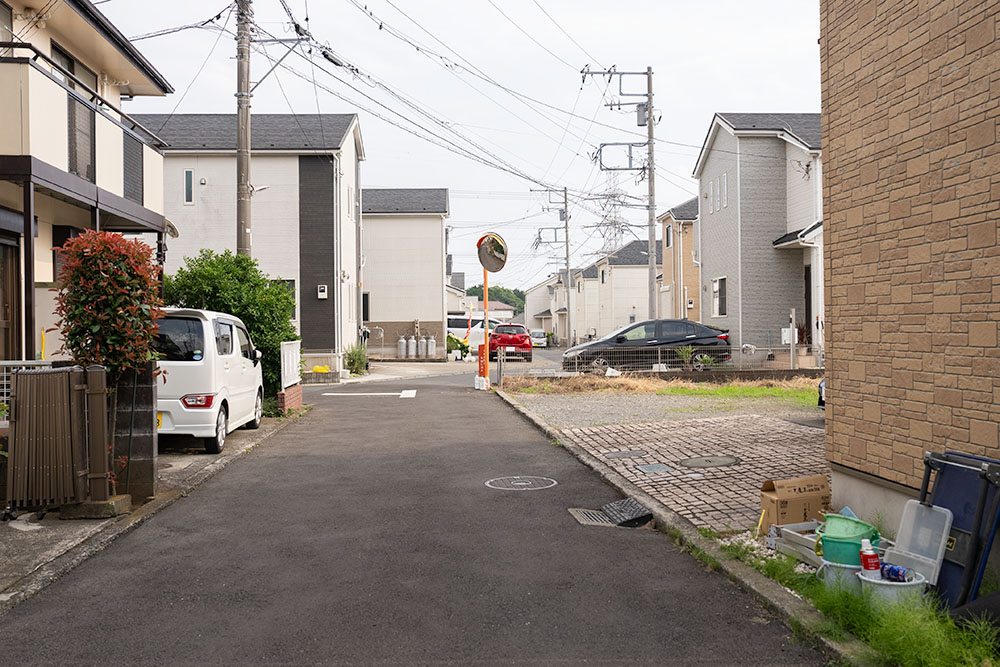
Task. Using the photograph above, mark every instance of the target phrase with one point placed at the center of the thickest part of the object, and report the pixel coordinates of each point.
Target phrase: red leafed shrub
(109, 301)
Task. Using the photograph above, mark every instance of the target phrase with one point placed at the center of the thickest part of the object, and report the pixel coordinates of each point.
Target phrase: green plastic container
(839, 526)
(844, 550)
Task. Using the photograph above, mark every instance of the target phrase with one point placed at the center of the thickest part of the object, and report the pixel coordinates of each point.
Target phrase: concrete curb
(44, 575)
(796, 613)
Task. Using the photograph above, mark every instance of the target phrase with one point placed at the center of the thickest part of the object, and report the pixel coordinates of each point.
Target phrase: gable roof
(588, 272)
(634, 254)
(803, 129)
(404, 200)
(495, 305)
(686, 211)
(268, 132)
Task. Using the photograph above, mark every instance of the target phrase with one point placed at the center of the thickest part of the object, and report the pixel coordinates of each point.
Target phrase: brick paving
(722, 498)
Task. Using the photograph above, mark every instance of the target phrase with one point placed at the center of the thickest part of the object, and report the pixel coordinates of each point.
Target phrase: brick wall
(290, 398)
(911, 101)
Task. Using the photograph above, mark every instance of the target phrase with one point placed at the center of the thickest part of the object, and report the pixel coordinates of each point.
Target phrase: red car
(513, 338)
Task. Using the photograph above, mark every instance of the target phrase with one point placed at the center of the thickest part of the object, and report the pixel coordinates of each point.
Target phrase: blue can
(899, 573)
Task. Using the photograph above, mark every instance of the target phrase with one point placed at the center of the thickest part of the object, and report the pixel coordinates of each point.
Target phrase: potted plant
(805, 339)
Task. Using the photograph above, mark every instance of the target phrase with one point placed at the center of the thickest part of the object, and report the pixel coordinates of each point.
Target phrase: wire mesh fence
(7, 368)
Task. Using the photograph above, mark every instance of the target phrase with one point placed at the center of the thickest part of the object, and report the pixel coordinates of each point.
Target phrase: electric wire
(528, 35)
(189, 26)
(569, 36)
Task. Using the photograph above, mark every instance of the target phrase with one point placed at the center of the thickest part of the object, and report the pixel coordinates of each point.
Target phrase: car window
(180, 339)
(509, 329)
(671, 329)
(224, 338)
(538, 334)
(692, 330)
(641, 332)
(244, 339)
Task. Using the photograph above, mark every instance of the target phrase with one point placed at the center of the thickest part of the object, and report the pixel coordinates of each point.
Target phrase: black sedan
(652, 345)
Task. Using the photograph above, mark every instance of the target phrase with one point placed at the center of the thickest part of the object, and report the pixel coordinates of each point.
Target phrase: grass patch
(799, 390)
(804, 396)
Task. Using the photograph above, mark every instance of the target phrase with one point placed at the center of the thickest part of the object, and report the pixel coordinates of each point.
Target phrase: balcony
(55, 118)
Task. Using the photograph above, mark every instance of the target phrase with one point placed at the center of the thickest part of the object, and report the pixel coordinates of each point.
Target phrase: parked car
(822, 393)
(643, 345)
(538, 338)
(212, 382)
(514, 340)
(459, 325)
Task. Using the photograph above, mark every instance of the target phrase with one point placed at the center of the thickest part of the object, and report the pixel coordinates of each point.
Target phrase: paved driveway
(364, 534)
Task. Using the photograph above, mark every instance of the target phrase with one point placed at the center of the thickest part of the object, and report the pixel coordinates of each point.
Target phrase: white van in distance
(212, 382)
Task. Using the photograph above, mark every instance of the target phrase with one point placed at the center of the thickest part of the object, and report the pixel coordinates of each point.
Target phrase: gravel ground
(581, 410)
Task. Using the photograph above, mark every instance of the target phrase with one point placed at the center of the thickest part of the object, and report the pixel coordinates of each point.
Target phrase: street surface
(364, 534)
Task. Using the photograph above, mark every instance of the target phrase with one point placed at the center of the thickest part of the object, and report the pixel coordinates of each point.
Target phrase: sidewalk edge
(800, 616)
(63, 563)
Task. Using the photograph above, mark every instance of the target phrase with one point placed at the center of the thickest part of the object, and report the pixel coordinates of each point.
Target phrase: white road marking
(406, 393)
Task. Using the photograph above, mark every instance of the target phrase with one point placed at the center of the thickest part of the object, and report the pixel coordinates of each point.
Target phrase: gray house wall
(316, 251)
(772, 278)
(719, 234)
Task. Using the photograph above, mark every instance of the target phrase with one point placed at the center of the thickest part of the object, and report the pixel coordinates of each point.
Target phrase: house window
(365, 308)
(711, 195)
(6, 29)
(70, 64)
(189, 186)
(725, 189)
(604, 276)
(132, 168)
(579, 286)
(668, 236)
(718, 195)
(719, 297)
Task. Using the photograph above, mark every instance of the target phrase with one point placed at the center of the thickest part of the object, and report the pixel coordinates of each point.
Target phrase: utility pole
(564, 214)
(651, 180)
(244, 17)
(644, 116)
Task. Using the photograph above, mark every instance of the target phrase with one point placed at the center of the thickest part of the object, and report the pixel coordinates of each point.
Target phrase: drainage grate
(521, 483)
(710, 461)
(627, 513)
(627, 454)
(654, 468)
(591, 517)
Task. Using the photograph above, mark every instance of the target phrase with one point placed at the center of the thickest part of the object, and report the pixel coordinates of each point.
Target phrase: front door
(10, 303)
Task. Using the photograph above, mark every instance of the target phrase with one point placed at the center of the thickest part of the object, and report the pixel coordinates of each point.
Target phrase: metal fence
(657, 359)
(8, 367)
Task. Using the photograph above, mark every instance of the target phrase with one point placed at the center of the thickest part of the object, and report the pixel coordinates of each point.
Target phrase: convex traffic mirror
(492, 252)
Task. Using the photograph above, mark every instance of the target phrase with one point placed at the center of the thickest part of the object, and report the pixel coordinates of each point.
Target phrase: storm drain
(654, 468)
(628, 454)
(521, 483)
(710, 461)
(591, 517)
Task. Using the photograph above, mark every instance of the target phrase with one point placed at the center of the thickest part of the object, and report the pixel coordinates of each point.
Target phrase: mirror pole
(486, 320)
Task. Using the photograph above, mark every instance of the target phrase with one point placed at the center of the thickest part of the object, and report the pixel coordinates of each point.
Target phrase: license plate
(159, 420)
(511, 349)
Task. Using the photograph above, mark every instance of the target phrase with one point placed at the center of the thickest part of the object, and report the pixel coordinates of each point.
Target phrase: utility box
(793, 500)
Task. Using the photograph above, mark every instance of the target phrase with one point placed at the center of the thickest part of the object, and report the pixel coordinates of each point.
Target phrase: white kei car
(212, 382)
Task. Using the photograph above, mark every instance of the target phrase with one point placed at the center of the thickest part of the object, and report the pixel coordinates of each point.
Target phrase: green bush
(456, 343)
(356, 359)
(234, 284)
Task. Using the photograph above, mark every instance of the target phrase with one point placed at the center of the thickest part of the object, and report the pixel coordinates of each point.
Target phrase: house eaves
(800, 238)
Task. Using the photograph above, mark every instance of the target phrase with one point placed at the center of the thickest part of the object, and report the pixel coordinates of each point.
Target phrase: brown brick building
(911, 102)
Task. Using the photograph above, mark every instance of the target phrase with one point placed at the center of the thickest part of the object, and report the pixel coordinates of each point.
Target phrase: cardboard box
(794, 500)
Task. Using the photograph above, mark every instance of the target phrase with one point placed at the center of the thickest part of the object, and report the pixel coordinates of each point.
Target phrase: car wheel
(258, 412)
(599, 365)
(215, 444)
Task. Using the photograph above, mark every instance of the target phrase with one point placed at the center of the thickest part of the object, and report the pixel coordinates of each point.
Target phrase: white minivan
(212, 382)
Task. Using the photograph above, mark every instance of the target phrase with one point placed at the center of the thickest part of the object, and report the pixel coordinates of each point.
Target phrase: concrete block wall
(141, 472)
(911, 103)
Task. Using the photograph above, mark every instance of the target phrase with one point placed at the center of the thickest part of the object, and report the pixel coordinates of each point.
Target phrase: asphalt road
(364, 534)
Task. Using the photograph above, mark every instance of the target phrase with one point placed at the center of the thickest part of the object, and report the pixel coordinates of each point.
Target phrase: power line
(569, 36)
(189, 26)
(528, 35)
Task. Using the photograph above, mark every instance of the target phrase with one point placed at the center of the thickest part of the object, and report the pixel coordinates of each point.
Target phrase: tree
(109, 302)
(235, 284)
(511, 297)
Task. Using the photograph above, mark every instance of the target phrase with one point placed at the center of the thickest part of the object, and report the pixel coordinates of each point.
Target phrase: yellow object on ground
(320, 369)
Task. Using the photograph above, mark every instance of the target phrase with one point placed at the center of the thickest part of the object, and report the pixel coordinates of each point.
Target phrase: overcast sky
(723, 55)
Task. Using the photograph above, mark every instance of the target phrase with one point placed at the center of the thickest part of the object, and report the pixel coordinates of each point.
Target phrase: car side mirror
(257, 355)
(621, 339)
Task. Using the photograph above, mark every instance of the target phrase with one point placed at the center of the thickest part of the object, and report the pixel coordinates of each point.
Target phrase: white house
(586, 309)
(623, 286)
(306, 215)
(70, 159)
(404, 291)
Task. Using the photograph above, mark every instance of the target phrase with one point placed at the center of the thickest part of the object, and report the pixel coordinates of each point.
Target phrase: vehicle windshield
(618, 331)
(180, 339)
(538, 334)
(509, 329)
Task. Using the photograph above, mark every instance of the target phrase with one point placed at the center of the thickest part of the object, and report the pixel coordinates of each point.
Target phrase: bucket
(838, 575)
(843, 550)
(838, 525)
(885, 591)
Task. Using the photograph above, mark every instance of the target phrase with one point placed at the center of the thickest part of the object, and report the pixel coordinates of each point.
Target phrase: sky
(501, 79)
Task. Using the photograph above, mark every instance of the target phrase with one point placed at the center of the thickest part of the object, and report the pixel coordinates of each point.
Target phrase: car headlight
(569, 354)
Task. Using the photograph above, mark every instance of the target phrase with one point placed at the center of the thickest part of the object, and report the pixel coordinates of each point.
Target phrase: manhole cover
(521, 483)
(710, 461)
(654, 468)
(591, 517)
(628, 454)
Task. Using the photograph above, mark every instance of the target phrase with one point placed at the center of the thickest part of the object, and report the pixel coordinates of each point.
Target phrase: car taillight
(198, 400)
(723, 336)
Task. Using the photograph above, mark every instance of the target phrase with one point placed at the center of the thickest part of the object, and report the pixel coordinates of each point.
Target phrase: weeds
(798, 389)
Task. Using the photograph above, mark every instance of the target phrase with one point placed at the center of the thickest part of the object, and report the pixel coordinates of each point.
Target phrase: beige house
(912, 204)
(623, 286)
(404, 290)
(586, 311)
(681, 279)
(305, 173)
(70, 159)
